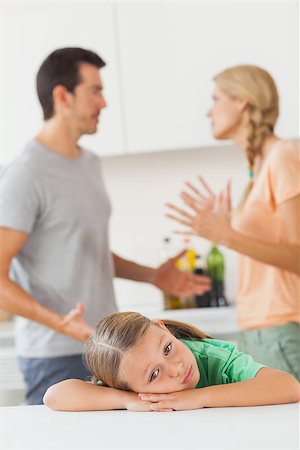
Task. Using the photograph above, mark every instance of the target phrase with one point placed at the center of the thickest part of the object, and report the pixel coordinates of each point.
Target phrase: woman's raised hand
(207, 215)
(205, 198)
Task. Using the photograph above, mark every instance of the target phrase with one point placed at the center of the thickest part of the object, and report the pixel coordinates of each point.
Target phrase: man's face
(87, 101)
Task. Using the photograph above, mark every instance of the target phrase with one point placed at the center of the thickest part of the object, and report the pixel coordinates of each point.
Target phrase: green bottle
(215, 268)
(203, 300)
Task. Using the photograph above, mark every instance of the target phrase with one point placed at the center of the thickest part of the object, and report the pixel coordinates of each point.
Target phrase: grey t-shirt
(62, 204)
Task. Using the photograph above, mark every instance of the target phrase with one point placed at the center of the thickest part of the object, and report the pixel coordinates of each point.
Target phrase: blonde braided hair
(255, 86)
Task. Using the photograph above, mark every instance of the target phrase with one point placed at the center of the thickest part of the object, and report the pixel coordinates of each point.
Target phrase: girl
(143, 365)
(265, 228)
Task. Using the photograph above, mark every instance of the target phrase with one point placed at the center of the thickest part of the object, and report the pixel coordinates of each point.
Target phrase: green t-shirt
(220, 362)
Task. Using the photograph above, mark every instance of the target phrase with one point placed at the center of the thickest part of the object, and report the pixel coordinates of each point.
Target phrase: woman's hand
(204, 198)
(176, 401)
(212, 224)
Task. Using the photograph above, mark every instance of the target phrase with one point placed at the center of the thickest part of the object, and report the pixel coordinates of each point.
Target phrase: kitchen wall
(192, 41)
(139, 185)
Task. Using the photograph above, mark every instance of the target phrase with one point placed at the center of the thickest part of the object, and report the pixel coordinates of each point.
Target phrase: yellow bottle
(187, 263)
(171, 301)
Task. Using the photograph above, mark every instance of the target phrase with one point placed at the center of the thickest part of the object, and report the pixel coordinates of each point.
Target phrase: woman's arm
(78, 395)
(269, 387)
(215, 226)
(285, 256)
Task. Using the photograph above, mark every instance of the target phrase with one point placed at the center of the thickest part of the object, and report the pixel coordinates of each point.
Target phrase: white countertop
(39, 428)
(212, 320)
(218, 322)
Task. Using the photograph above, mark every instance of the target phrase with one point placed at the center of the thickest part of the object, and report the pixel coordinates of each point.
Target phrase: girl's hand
(133, 402)
(176, 401)
(213, 224)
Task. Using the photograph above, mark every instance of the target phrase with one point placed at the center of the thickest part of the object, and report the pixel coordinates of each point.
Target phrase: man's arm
(165, 277)
(18, 302)
(132, 271)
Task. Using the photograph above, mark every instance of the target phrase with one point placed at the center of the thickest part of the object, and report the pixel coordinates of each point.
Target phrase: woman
(264, 229)
(164, 366)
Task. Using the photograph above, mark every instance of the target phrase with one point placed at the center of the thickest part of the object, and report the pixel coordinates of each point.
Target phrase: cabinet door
(29, 32)
(170, 52)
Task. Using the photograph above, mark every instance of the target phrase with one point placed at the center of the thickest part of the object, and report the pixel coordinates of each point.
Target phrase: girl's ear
(160, 323)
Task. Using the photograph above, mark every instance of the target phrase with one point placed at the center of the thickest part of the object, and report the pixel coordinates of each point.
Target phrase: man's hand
(176, 401)
(172, 281)
(75, 326)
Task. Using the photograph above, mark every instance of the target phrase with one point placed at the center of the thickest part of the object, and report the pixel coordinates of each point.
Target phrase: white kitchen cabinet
(171, 50)
(29, 31)
(161, 57)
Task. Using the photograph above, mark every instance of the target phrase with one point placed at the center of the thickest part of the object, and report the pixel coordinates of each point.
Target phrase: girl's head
(245, 102)
(130, 352)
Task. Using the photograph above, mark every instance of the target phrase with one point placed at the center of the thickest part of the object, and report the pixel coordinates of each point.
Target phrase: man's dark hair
(62, 67)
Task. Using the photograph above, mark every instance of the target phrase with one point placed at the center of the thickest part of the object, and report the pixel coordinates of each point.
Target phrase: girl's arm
(269, 387)
(78, 395)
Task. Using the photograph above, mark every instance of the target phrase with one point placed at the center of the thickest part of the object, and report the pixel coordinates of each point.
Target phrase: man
(54, 215)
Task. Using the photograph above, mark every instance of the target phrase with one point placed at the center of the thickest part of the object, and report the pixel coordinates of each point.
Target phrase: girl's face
(226, 115)
(160, 363)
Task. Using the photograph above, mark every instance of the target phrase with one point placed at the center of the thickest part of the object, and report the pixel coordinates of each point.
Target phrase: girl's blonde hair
(256, 86)
(119, 332)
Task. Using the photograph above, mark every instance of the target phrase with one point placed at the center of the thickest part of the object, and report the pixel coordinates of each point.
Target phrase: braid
(257, 128)
(250, 149)
(257, 88)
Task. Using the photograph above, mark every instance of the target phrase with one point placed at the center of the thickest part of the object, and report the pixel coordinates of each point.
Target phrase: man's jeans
(41, 373)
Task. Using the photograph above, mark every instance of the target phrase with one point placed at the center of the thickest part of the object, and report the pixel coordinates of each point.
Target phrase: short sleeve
(284, 172)
(239, 367)
(19, 200)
